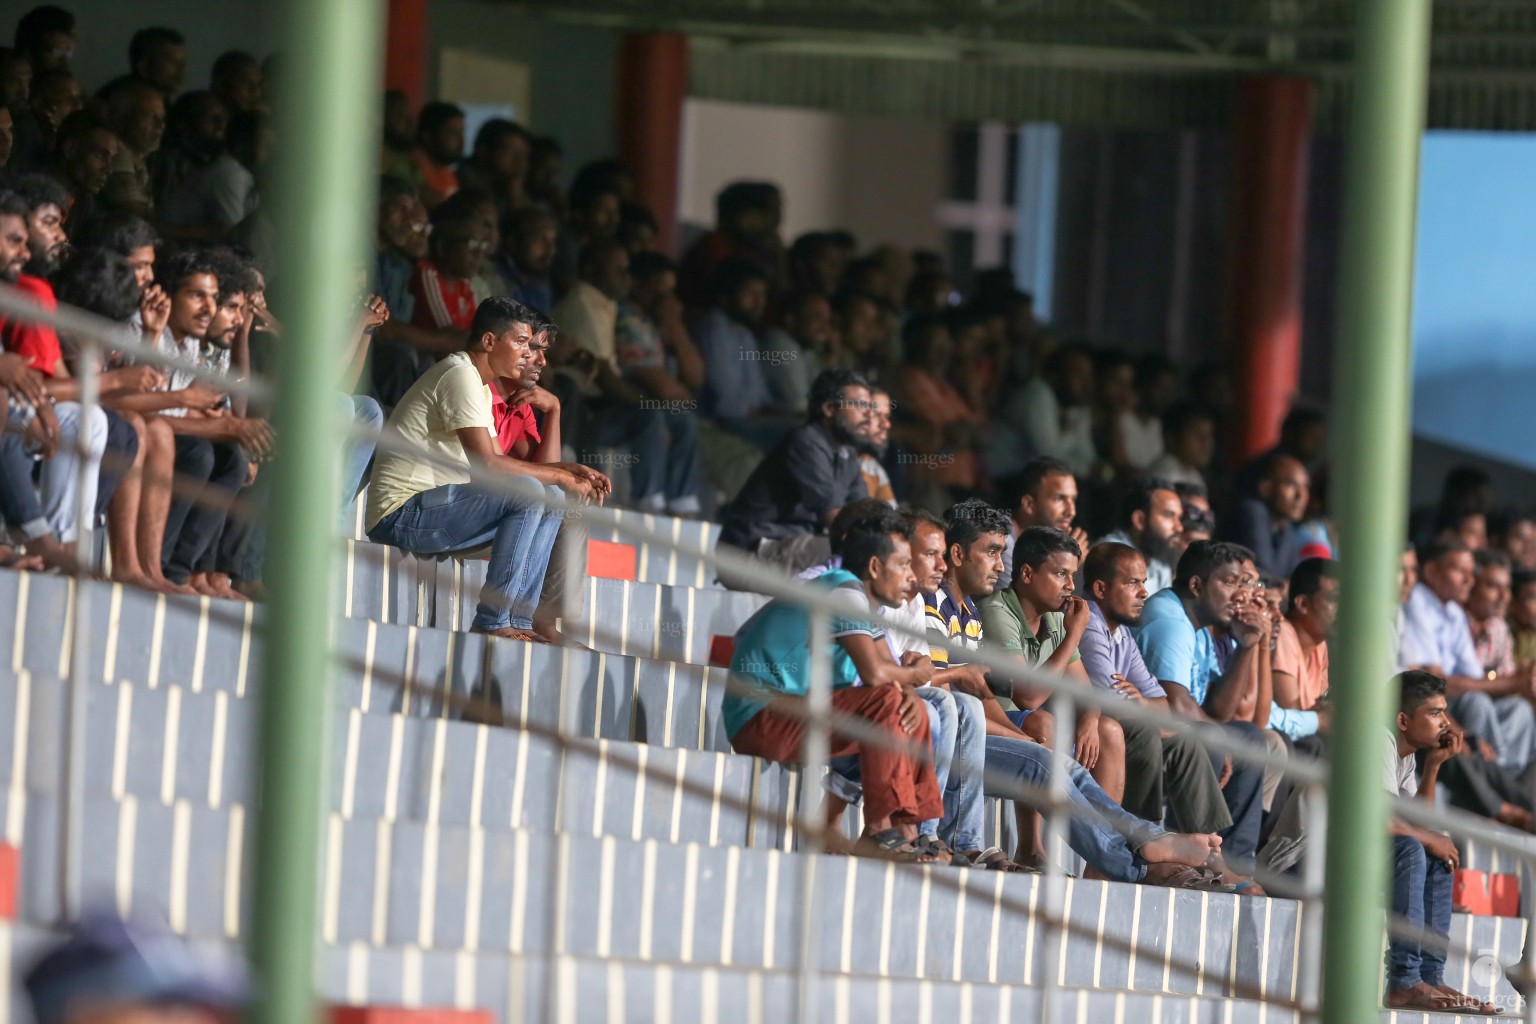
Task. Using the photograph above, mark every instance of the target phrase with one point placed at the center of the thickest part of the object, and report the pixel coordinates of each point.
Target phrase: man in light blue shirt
(1178, 649)
(1434, 635)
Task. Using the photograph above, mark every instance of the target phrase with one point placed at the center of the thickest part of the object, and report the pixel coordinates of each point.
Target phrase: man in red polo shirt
(517, 406)
(443, 297)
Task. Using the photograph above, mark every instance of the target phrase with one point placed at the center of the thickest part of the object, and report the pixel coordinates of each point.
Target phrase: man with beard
(529, 236)
(1180, 652)
(1151, 522)
(31, 429)
(876, 440)
(1160, 769)
(109, 436)
(784, 509)
(1266, 523)
(1044, 494)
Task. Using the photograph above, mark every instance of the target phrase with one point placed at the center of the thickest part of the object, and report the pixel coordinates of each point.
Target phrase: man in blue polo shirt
(1178, 649)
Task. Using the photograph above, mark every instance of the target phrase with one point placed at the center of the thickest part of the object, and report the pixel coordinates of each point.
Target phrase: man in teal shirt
(765, 708)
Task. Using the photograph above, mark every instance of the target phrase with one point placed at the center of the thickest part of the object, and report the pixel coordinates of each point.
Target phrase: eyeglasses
(479, 245)
(419, 227)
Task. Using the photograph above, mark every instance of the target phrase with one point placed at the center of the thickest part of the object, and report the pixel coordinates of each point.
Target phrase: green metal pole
(1371, 410)
(328, 101)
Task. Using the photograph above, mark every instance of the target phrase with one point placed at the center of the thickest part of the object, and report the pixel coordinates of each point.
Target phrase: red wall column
(1268, 223)
(405, 50)
(651, 83)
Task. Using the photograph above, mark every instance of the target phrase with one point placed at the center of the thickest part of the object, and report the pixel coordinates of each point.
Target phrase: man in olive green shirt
(1039, 619)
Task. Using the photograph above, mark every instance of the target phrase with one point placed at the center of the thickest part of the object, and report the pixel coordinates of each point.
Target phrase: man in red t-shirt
(517, 405)
(440, 285)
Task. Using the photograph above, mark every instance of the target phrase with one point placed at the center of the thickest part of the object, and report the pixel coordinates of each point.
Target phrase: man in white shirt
(1423, 862)
(431, 509)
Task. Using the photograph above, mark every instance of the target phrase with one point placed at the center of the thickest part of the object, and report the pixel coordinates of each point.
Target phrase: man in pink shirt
(1301, 649)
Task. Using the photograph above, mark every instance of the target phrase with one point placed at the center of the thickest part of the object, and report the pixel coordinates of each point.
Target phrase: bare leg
(123, 515)
(1109, 773)
(155, 503)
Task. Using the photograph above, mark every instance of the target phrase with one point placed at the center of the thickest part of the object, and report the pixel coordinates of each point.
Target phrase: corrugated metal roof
(1094, 63)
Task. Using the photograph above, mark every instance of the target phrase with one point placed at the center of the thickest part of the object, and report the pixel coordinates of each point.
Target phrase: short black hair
(1104, 559)
(1452, 518)
(392, 187)
(735, 272)
(741, 197)
(1522, 578)
(495, 131)
(172, 273)
(237, 273)
(1416, 686)
(849, 514)
(1136, 495)
(100, 282)
(39, 22)
(1184, 415)
(916, 514)
(1038, 543)
(1029, 479)
(11, 204)
(633, 216)
(870, 537)
(1307, 578)
(115, 232)
(1491, 558)
(228, 62)
(38, 190)
(829, 386)
(966, 521)
(436, 114)
(645, 265)
(1152, 366)
(586, 191)
(1204, 557)
(147, 40)
(809, 245)
(497, 316)
(1462, 479)
(597, 250)
(1437, 549)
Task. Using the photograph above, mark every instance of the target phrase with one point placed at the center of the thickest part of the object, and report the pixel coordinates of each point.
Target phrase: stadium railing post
(815, 753)
(1371, 476)
(1055, 881)
(332, 70)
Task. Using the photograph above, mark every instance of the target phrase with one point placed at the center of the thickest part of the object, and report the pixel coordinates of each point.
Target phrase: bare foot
(56, 555)
(510, 633)
(253, 589)
(132, 579)
(224, 587)
(1248, 886)
(1178, 848)
(551, 635)
(12, 558)
(1419, 997)
(1464, 1001)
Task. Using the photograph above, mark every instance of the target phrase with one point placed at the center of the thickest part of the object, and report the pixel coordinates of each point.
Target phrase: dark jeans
(790, 554)
(1244, 794)
(122, 449)
(20, 508)
(1480, 786)
(1421, 893)
(393, 367)
(213, 470)
(664, 445)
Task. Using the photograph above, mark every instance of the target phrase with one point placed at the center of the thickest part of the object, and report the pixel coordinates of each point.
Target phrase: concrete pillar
(650, 86)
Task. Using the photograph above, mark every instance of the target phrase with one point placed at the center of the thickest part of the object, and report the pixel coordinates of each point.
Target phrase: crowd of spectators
(824, 402)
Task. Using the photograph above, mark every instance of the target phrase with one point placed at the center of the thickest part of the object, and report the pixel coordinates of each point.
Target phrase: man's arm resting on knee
(577, 479)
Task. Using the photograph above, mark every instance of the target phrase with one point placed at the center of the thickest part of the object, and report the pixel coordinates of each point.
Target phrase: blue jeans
(959, 764)
(1421, 893)
(461, 517)
(364, 412)
(1111, 850)
(665, 473)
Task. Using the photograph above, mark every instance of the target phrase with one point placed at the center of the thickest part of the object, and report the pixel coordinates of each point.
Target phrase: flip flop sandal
(933, 846)
(994, 859)
(892, 845)
(1182, 876)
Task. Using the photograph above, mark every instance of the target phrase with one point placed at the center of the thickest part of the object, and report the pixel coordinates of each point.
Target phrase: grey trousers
(1175, 772)
(1507, 723)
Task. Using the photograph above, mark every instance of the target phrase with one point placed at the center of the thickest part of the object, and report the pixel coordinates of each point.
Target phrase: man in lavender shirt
(1159, 769)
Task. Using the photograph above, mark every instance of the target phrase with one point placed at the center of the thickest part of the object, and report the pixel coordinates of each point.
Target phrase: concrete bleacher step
(483, 890)
(150, 639)
(675, 622)
(586, 990)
